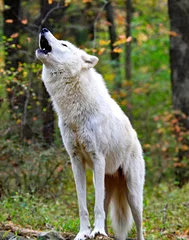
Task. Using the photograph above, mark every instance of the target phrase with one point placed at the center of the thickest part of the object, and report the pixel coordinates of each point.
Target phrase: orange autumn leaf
(14, 35)
(87, 1)
(9, 21)
(50, 2)
(185, 148)
(34, 119)
(177, 129)
(173, 34)
(138, 90)
(129, 39)
(106, 23)
(175, 120)
(9, 89)
(179, 164)
(24, 21)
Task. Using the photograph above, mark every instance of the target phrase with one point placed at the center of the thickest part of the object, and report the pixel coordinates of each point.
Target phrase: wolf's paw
(98, 231)
(82, 235)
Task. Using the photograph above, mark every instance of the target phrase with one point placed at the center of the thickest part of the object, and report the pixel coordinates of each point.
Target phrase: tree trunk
(128, 57)
(113, 37)
(13, 56)
(179, 54)
(112, 30)
(179, 63)
(11, 26)
(128, 44)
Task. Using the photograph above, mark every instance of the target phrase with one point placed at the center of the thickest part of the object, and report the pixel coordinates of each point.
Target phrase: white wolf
(96, 133)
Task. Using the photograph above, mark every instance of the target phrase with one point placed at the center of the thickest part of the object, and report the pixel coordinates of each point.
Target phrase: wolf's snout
(44, 46)
(44, 30)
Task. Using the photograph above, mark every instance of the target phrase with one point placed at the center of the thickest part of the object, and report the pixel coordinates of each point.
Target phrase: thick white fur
(96, 133)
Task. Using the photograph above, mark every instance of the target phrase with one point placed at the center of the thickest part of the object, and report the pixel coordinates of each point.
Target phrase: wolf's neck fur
(73, 95)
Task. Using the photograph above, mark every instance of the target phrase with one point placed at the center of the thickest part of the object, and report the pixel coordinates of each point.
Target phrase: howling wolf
(96, 133)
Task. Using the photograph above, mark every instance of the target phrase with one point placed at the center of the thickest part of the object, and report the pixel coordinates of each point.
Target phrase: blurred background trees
(149, 84)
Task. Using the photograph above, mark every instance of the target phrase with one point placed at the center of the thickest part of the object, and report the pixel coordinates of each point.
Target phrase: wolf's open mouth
(44, 45)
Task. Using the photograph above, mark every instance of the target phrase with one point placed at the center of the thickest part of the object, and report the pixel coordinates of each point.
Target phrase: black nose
(44, 30)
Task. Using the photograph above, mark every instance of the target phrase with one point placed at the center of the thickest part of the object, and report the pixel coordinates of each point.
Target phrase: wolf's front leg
(80, 181)
(99, 175)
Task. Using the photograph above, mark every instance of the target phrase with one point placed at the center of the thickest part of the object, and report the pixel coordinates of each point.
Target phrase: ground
(166, 215)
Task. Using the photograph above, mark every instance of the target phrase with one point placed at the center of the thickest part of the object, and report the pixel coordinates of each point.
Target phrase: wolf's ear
(89, 60)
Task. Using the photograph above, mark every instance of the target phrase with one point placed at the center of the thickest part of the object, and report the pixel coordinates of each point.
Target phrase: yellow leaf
(25, 74)
(18, 121)
(117, 50)
(50, 1)
(67, 2)
(142, 37)
(104, 42)
(100, 51)
(122, 39)
(147, 145)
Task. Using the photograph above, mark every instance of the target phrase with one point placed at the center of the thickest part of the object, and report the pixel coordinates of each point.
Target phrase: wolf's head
(57, 54)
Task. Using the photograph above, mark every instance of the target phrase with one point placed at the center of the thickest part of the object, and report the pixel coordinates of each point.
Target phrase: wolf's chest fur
(74, 99)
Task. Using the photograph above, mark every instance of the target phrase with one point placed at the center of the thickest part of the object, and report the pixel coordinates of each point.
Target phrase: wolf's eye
(64, 45)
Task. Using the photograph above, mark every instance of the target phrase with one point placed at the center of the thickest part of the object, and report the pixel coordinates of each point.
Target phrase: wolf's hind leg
(135, 182)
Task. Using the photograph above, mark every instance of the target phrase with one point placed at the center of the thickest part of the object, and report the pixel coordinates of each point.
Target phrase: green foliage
(31, 168)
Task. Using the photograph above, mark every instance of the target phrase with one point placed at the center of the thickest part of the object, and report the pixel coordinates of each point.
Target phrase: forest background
(143, 51)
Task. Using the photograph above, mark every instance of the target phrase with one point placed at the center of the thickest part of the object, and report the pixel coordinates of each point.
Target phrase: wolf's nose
(44, 30)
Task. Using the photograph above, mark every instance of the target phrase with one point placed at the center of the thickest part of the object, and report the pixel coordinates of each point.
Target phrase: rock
(49, 236)
(6, 235)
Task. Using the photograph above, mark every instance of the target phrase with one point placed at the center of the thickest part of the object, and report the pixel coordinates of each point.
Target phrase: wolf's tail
(120, 211)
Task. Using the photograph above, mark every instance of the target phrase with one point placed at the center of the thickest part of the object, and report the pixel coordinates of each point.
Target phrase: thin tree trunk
(112, 30)
(128, 57)
(113, 37)
(11, 26)
(13, 56)
(128, 44)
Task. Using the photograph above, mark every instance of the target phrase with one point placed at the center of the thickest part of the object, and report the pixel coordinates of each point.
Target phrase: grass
(165, 210)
